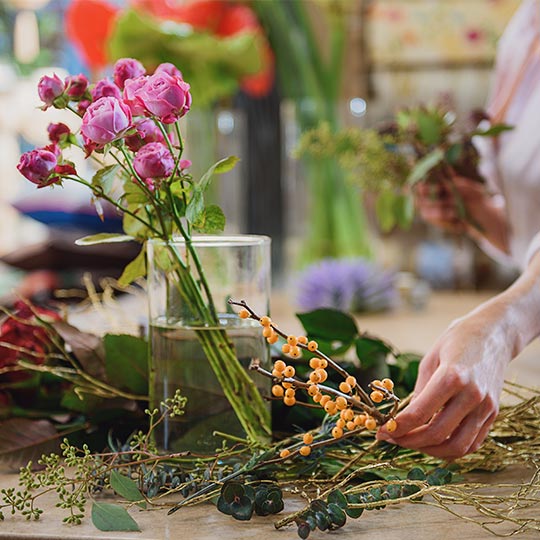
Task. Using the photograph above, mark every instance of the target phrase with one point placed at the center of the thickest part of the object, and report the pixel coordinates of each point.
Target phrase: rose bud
(154, 161)
(56, 131)
(127, 68)
(132, 86)
(49, 90)
(37, 165)
(76, 86)
(171, 69)
(184, 164)
(83, 105)
(106, 120)
(165, 96)
(147, 132)
(105, 88)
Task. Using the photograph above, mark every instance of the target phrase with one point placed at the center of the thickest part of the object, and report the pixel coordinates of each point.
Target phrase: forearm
(517, 309)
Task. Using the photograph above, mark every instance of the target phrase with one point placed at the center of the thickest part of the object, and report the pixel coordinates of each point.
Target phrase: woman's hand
(457, 393)
(439, 203)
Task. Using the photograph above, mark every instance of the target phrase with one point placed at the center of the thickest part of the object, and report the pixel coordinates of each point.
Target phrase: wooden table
(407, 330)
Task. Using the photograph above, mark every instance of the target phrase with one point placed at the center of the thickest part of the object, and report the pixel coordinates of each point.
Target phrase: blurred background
(262, 72)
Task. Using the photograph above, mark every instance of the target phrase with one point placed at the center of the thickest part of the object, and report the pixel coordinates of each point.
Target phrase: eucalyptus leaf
(127, 488)
(103, 238)
(112, 517)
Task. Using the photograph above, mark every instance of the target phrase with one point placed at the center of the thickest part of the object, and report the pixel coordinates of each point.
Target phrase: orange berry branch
(357, 409)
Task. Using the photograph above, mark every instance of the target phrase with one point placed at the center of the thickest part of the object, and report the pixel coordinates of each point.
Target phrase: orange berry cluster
(381, 390)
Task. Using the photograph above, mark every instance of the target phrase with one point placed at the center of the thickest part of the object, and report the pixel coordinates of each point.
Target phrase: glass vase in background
(237, 267)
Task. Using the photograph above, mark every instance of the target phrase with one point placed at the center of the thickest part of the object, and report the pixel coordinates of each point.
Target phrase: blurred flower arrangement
(219, 44)
(311, 77)
(421, 144)
(352, 285)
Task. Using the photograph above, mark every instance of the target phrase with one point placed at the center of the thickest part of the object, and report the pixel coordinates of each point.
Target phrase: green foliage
(135, 269)
(103, 238)
(127, 488)
(421, 144)
(112, 517)
(126, 362)
(212, 65)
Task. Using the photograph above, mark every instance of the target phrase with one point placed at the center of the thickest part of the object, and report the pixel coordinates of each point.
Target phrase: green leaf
(112, 517)
(404, 210)
(371, 351)
(493, 131)
(133, 193)
(329, 324)
(416, 473)
(429, 128)
(103, 238)
(127, 488)
(135, 269)
(337, 515)
(385, 208)
(424, 165)
(222, 166)
(195, 207)
(453, 153)
(211, 221)
(105, 178)
(126, 362)
(338, 498)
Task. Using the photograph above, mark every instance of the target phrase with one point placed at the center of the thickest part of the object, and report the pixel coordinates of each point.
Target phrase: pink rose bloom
(56, 131)
(184, 164)
(154, 161)
(105, 88)
(131, 87)
(147, 132)
(76, 86)
(127, 68)
(38, 166)
(49, 89)
(169, 68)
(165, 96)
(106, 120)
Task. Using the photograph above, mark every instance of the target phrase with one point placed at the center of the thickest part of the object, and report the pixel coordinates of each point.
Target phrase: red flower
(23, 330)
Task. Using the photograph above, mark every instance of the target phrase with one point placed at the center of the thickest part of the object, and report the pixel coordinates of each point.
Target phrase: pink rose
(106, 120)
(76, 86)
(169, 68)
(154, 161)
(147, 132)
(127, 68)
(105, 88)
(50, 89)
(56, 131)
(131, 87)
(41, 166)
(165, 96)
(184, 164)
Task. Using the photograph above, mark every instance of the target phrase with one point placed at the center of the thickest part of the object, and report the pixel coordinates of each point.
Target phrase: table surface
(409, 331)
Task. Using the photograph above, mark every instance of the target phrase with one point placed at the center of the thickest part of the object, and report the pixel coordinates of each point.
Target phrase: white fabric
(511, 164)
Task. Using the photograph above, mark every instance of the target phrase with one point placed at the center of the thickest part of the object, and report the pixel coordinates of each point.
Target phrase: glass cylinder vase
(197, 354)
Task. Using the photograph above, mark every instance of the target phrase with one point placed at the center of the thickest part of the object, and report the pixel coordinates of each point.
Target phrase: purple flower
(171, 69)
(127, 68)
(50, 89)
(165, 96)
(56, 131)
(76, 86)
(352, 285)
(154, 161)
(105, 88)
(147, 132)
(132, 86)
(106, 120)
